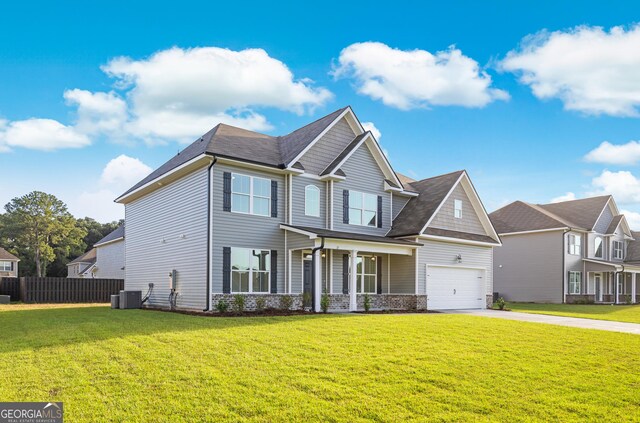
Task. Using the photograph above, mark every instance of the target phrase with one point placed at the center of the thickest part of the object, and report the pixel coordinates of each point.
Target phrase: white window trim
(363, 209)
(615, 250)
(363, 274)
(250, 291)
(579, 282)
(595, 248)
(457, 209)
(251, 195)
(3, 267)
(574, 248)
(306, 197)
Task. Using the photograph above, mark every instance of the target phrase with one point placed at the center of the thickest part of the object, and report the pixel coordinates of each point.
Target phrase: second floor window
(362, 209)
(618, 250)
(457, 209)
(312, 201)
(5, 266)
(597, 247)
(575, 244)
(250, 194)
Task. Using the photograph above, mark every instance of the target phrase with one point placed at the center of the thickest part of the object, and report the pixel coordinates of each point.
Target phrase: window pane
(262, 187)
(370, 283)
(260, 282)
(260, 260)
(355, 199)
(359, 265)
(355, 217)
(239, 259)
(369, 265)
(240, 203)
(598, 247)
(370, 202)
(312, 200)
(369, 218)
(240, 281)
(261, 206)
(359, 283)
(240, 184)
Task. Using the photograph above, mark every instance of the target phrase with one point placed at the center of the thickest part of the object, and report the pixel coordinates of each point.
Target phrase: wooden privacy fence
(10, 287)
(63, 290)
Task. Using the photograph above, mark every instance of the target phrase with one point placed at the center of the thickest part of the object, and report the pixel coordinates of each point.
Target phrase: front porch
(319, 262)
(607, 283)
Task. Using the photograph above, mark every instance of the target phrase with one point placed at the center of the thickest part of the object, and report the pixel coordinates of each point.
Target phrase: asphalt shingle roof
(117, 233)
(583, 213)
(88, 257)
(349, 235)
(614, 223)
(344, 153)
(5, 255)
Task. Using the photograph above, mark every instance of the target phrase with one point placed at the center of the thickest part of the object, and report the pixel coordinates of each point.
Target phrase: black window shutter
(274, 198)
(379, 278)
(379, 211)
(345, 206)
(226, 190)
(226, 270)
(345, 274)
(274, 271)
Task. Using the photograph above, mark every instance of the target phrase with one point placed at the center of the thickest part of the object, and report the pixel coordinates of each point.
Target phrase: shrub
(306, 299)
(367, 303)
(261, 303)
(627, 300)
(324, 302)
(583, 301)
(286, 301)
(501, 303)
(238, 303)
(222, 307)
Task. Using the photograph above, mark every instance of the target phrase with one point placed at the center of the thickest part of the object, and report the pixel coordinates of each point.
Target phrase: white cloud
(416, 78)
(622, 154)
(40, 134)
(633, 219)
(118, 175)
(98, 112)
(589, 69)
(369, 126)
(623, 185)
(566, 197)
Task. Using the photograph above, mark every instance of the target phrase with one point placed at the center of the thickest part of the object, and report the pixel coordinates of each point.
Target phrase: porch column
(317, 277)
(633, 287)
(353, 299)
(616, 281)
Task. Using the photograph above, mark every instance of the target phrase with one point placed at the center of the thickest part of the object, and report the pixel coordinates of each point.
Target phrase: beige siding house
(319, 211)
(8, 264)
(566, 252)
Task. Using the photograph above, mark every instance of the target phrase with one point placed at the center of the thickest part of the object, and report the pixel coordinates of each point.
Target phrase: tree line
(41, 232)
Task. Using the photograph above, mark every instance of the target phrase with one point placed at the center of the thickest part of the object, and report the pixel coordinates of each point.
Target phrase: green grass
(618, 313)
(136, 365)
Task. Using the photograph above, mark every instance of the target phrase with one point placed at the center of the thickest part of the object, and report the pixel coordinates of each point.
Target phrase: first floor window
(363, 209)
(457, 209)
(250, 270)
(5, 266)
(618, 250)
(575, 280)
(366, 274)
(574, 244)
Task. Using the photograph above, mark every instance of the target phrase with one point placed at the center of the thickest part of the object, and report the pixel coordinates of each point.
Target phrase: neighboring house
(567, 252)
(238, 212)
(8, 264)
(105, 260)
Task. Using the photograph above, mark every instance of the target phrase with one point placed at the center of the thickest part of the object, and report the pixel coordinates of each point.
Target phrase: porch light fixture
(324, 255)
(459, 258)
(373, 258)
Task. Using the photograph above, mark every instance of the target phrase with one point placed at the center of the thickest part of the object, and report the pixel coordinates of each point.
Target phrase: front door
(598, 283)
(306, 283)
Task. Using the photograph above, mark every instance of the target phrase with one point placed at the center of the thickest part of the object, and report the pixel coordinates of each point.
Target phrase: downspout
(313, 273)
(564, 264)
(209, 219)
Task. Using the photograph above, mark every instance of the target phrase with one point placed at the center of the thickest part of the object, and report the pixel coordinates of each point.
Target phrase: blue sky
(518, 138)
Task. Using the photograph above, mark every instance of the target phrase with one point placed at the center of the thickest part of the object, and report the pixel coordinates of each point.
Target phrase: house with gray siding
(566, 252)
(319, 211)
(105, 260)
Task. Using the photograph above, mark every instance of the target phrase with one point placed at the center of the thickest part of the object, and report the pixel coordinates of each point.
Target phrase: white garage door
(455, 288)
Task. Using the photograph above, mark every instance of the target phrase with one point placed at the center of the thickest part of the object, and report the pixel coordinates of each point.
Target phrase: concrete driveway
(574, 322)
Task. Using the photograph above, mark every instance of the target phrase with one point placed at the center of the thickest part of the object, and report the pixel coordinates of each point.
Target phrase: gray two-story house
(318, 211)
(566, 252)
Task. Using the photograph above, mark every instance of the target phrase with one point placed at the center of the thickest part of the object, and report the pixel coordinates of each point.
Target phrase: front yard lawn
(137, 365)
(618, 313)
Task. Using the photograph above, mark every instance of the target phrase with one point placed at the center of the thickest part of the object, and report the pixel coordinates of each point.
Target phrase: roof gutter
(209, 224)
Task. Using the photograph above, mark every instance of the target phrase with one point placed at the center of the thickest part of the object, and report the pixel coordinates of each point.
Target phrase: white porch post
(615, 288)
(317, 277)
(633, 287)
(353, 300)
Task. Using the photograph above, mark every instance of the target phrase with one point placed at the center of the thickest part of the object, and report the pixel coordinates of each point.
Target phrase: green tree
(39, 228)
(96, 231)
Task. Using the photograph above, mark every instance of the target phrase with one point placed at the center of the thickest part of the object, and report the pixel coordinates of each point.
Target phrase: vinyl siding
(327, 148)
(403, 270)
(445, 218)
(110, 260)
(166, 230)
(363, 175)
(299, 217)
(240, 230)
(445, 253)
(531, 267)
(603, 222)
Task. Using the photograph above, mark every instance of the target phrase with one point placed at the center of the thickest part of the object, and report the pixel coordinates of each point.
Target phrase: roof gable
(328, 146)
(5, 255)
(583, 213)
(521, 217)
(469, 222)
(114, 235)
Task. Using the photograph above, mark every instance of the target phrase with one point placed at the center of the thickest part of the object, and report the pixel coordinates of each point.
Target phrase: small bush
(583, 301)
(222, 307)
(324, 302)
(367, 303)
(261, 303)
(286, 302)
(627, 300)
(501, 303)
(238, 303)
(306, 299)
